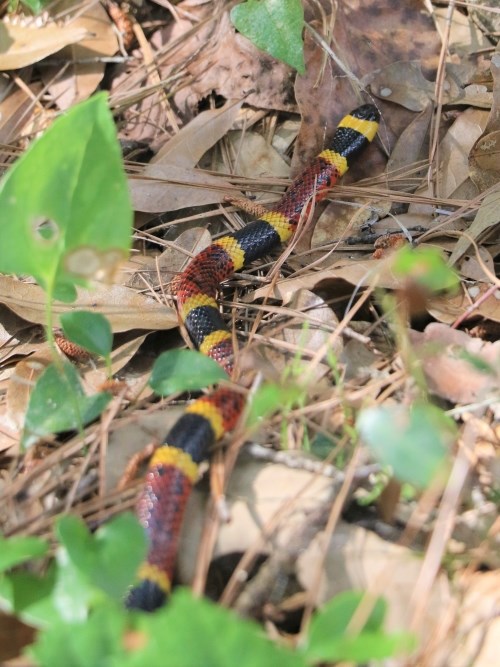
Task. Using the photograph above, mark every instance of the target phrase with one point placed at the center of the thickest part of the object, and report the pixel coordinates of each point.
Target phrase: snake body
(174, 466)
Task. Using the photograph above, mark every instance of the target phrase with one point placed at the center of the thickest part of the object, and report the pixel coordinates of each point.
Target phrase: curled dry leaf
(450, 374)
(360, 273)
(21, 382)
(170, 181)
(124, 308)
(455, 148)
(449, 308)
(22, 45)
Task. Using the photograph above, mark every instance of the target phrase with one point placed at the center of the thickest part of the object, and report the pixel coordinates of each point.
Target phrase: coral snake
(174, 466)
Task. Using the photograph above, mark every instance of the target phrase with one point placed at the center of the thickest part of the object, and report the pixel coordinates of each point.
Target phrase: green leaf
(426, 267)
(196, 632)
(98, 642)
(184, 370)
(91, 331)
(275, 26)
(58, 403)
(334, 618)
(66, 215)
(271, 398)
(35, 6)
(30, 597)
(414, 441)
(17, 550)
(329, 639)
(110, 558)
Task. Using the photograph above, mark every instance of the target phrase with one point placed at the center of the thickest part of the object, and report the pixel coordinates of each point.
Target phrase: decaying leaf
(457, 367)
(84, 68)
(170, 181)
(22, 45)
(124, 308)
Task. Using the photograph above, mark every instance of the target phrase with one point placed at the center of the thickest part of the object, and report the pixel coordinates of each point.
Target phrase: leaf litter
(330, 317)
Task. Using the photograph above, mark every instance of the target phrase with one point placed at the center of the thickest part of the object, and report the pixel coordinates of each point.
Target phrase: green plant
(77, 608)
(415, 440)
(275, 26)
(66, 220)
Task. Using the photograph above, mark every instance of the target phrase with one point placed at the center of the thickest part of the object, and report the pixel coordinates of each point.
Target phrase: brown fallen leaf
(170, 181)
(360, 273)
(305, 326)
(476, 634)
(358, 559)
(403, 83)
(448, 308)
(486, 218)
(22, 45)
(455, 148)
(75, 80)
(449, 373)
(256, 493)
(124, 308)
(484, 158)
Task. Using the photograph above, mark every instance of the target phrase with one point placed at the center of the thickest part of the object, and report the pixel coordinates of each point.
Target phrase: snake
(174, 467)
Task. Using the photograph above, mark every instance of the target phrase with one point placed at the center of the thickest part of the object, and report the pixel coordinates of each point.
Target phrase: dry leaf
(308, 323)
(170, 181)
(411, 146)
(256, 493)
(448, 308)
(15, 105)
(455, 148)
(357, 559)
(486, 217)
(23, 45)
(476, 635)
(360, 273)
(170, 188)
(403, 83)
(484, 159)
(77, 80)
(124, 308)
(448, 372)
(191, 143)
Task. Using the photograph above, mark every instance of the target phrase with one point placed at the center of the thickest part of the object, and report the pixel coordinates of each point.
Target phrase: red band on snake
(174, 467)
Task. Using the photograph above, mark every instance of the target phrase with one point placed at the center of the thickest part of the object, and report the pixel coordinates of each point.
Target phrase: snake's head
(366, 112)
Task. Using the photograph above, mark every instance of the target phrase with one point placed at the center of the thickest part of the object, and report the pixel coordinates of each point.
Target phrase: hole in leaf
(45, 230)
